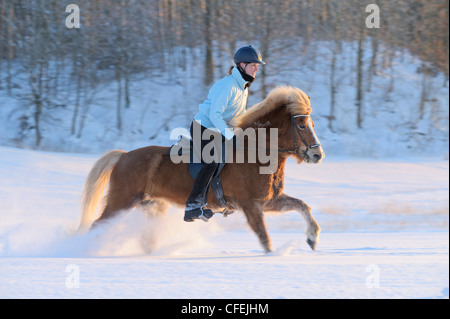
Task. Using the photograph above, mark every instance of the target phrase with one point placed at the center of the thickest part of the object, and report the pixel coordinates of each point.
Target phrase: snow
(381, 196)
(384, 235)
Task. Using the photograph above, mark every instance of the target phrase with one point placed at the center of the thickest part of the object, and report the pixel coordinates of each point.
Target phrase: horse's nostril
(317, 156)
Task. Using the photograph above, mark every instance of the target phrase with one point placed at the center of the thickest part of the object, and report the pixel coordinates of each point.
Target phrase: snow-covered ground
(384, 235)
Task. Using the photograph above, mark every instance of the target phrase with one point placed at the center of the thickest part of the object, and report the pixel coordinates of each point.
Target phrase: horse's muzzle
(314, 155)
(317, 157)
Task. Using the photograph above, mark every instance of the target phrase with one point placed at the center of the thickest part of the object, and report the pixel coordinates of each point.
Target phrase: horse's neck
(281, 163)
(274, 120)
(280, 121)
(278, 178)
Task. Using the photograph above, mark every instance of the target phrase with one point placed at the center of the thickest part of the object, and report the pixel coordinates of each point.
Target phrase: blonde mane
(294, 99)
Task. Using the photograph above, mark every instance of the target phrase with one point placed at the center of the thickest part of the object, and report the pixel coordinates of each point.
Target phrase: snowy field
(384, 235)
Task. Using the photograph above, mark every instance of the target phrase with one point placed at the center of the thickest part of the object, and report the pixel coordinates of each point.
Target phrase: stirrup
(206, 215)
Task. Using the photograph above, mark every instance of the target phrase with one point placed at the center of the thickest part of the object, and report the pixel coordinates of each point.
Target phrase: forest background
(133, 70)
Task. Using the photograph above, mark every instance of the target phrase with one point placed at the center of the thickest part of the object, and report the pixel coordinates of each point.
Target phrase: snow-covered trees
(119, 39)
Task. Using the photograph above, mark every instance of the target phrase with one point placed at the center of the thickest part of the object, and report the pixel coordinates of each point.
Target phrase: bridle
(295, 128)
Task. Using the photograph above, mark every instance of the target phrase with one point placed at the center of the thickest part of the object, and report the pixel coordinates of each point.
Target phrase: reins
(294, 128)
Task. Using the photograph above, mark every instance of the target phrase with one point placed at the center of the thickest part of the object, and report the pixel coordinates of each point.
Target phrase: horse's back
(148, 152)
(131, 172)
(149, 171)
(140, 160)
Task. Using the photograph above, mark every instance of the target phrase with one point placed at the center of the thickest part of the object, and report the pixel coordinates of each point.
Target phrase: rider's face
(251, 68)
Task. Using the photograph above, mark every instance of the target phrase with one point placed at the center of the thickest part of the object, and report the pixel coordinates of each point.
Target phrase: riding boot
(198, 213)
(197, 198)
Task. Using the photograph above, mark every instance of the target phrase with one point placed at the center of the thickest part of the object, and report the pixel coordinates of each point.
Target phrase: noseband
(295, 128)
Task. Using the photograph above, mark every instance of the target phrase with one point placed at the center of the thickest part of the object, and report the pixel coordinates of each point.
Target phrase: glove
(230, 137)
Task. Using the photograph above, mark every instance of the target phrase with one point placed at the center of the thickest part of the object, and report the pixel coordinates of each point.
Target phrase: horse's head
(288, 109)
(300, 139)
(306, 144)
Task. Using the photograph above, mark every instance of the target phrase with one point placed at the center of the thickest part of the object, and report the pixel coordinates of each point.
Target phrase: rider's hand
(229, 133)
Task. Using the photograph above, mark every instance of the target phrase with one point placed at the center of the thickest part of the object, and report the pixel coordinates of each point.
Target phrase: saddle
(184, 151)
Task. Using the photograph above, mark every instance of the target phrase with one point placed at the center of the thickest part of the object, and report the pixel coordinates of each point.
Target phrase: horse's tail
(95, 185)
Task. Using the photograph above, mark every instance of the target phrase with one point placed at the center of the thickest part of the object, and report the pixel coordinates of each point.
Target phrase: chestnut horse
(148, 176)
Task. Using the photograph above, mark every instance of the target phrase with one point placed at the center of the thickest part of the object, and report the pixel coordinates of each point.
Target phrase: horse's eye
(302, 126)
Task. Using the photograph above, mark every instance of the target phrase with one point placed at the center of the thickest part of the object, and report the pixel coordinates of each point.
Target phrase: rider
(226, 99)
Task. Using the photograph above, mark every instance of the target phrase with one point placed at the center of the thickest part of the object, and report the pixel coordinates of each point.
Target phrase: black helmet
(248, 54)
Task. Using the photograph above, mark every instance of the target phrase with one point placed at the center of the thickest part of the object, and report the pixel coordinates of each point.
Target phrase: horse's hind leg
(154, 207)
(117, 201)
(153, 210)
(111, 210)
(284, 203)
(255, 219)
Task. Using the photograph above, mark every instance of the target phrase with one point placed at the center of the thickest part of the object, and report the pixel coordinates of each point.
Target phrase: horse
(147, 177)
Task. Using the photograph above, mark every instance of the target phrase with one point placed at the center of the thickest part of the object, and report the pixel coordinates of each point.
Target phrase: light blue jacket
(226, 99)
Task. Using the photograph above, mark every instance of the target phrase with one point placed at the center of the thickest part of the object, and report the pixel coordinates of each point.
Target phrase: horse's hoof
(311, 244)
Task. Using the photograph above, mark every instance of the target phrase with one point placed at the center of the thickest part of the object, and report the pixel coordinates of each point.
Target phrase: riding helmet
(248, 54)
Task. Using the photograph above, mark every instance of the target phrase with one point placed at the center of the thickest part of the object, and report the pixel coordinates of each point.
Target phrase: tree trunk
(36, 84)
(359, 85)
(77, 104)
(331, 116)
(209, 62)
(119, 98)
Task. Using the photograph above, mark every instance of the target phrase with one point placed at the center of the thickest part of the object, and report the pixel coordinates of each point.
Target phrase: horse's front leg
(284, 203)
(255, 219)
